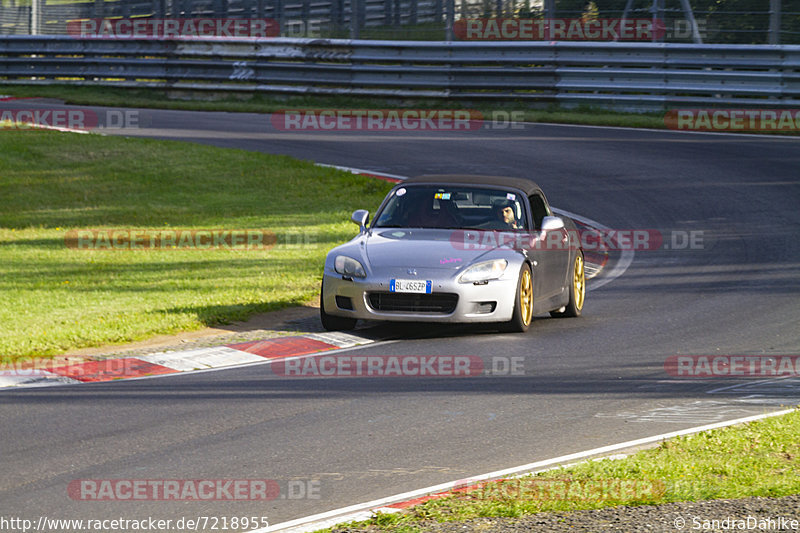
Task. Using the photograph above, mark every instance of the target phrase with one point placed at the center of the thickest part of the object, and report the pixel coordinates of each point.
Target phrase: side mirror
(361, 217)
(552, 223)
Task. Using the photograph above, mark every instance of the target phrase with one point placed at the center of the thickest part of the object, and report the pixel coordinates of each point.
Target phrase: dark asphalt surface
(588, 382)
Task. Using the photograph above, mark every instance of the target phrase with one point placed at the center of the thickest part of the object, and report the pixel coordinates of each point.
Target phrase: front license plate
(410, 285)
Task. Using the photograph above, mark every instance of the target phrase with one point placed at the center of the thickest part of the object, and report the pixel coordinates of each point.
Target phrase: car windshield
(453, 207)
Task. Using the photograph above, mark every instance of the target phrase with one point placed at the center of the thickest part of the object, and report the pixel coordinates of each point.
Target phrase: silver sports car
(454, 248)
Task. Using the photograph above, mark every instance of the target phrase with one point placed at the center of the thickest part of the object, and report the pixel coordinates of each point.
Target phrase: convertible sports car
(452, 248)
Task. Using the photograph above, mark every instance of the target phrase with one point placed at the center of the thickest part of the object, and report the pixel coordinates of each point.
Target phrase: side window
(539, 210)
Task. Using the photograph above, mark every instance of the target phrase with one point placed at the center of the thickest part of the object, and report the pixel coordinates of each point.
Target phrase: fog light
(344, 302)
(485, 307)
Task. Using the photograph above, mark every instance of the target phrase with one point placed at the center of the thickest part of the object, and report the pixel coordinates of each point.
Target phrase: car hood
(420, 248)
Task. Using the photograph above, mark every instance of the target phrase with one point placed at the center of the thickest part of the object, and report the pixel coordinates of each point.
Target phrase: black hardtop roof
(528, 186)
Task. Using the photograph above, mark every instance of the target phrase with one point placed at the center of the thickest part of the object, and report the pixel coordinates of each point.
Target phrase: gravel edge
(664, 518)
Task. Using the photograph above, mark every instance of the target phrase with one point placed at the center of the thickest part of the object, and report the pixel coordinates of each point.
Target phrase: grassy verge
(262, 103)
(54, 298)
(760, 458)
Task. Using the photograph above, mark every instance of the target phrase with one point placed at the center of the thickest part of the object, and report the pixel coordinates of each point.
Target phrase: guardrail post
(775, 22)
(277, 14)
(36, 16)
(687, 9)
(221, 8)
(387, 12)
(450, 12)
(355, 19)
(336, 16)
(305, 15)
(549, 9)
(658, 15)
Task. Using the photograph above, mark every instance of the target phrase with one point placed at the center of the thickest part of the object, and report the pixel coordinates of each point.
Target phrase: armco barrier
(623, 75)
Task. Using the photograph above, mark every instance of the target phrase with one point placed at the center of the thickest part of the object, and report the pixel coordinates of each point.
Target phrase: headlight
(347, 266)
(484, 271)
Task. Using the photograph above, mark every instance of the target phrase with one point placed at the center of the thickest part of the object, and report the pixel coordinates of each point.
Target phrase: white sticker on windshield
(511, 196)
(400, 192)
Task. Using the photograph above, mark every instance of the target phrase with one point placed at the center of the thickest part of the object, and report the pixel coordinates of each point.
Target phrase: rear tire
(577, 290)
(523, 303)
(331, 322)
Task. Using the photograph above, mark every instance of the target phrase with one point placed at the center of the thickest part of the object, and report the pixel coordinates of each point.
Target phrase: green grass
(263, 103)
(760, 458)
(54, 299)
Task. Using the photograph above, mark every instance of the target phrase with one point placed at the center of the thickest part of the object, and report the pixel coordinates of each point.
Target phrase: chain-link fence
(706, 21)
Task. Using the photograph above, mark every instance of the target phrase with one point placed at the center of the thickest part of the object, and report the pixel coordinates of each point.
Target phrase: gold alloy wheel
(526, 297)
(579, 282)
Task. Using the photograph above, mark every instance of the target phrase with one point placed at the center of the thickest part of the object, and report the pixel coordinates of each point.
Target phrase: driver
(505, 212)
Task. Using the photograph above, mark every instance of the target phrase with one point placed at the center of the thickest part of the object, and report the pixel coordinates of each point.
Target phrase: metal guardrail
(641, 76)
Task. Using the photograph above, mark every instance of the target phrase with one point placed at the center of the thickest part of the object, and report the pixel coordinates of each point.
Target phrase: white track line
(364, 510)
(53, 128)
(362, 171)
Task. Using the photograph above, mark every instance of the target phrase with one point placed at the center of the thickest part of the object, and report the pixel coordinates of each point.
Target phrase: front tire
(523, 303)
(331, 322)
(577, 290)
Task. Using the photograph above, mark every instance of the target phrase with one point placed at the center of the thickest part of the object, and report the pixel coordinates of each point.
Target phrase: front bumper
(474, 301)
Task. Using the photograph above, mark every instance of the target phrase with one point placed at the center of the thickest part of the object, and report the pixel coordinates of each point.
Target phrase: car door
(550, 251)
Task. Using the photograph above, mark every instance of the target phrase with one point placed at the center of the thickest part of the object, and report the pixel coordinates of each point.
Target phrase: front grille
(399, 302)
